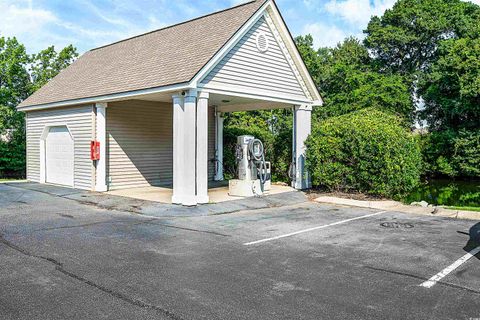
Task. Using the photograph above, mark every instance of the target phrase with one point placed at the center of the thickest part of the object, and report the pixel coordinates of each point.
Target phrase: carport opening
(273, 127)
(140, 149)
(140, 145)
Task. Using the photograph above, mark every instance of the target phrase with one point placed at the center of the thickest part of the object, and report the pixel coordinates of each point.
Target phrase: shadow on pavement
(474, 240)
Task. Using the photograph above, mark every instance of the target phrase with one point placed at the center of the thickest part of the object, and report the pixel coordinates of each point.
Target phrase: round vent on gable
(262, 42)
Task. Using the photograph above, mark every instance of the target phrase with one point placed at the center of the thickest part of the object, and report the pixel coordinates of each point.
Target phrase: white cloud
(21, 20)
(325, 35)
(105, 15)
(154, 23)
(39, 28)
(29, 25)
(358, 12)
(309, 3)
(237, 2)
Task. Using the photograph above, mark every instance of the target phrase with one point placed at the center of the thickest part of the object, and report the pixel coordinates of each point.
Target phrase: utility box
(253, 170)
(245, 170)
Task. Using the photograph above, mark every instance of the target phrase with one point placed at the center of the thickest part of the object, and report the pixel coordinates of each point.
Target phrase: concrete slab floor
(164, 195)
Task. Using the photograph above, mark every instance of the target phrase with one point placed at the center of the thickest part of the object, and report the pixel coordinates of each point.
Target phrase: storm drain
(396, 225)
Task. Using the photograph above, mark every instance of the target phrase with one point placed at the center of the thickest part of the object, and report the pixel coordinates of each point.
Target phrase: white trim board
(107, 98)
(252, 106)
(253, 94)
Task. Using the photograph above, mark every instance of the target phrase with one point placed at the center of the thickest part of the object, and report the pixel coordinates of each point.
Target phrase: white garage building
(155, 102)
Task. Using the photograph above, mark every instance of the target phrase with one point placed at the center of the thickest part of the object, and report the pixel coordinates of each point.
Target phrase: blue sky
(91, 23)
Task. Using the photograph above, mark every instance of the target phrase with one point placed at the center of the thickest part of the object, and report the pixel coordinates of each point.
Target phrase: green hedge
(230, 135)
(278, 150)
(12, 159)
(273, 127)
(367, 151)
(452, 154)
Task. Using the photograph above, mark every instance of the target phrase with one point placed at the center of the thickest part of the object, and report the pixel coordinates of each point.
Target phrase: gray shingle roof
(171, 55)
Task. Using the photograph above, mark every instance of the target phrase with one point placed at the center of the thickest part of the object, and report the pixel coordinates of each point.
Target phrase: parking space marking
(442, 274)
(312, 229)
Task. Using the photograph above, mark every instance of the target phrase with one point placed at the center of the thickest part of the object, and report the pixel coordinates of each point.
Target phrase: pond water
(447, 193)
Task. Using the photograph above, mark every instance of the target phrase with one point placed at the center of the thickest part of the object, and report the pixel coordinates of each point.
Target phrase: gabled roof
(172, 55)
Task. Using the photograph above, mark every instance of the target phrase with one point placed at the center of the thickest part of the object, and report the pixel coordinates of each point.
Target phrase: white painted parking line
(442, 274)
(312, 229)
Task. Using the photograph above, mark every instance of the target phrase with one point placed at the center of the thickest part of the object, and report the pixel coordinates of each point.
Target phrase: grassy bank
(9, 180)
(476, 209)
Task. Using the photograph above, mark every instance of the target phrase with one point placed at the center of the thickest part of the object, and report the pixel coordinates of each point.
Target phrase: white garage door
(59, 156)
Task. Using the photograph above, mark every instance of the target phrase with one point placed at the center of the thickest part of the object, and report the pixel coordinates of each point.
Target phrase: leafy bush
(452, 154)
(12, 157)
(349, 80)
(367, 151)
(467, 153)
(230, 135)
(436, 150)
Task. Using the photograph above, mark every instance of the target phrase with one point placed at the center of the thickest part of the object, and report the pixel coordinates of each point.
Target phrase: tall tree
(310, 56)
(451, 88)
(435, 44)
(407, 37)
(14, 83)
(348, 80)
(48, 63)
(14, 87)
(20, 75)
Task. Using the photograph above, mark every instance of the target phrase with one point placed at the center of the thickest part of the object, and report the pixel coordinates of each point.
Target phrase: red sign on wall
(94, 150)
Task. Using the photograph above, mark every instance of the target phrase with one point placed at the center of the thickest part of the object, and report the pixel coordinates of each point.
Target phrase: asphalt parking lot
(64, 259)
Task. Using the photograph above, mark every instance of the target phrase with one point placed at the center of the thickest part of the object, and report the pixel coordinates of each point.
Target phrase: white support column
(184, 149)
(219, 146)
(177, 148)
(202, 148)
(101, 133)
(302, 128)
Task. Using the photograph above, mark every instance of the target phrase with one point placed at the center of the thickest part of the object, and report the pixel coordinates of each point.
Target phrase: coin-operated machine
(254, 173)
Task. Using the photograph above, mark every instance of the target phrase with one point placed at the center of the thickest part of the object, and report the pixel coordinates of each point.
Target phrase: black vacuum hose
(259, 157)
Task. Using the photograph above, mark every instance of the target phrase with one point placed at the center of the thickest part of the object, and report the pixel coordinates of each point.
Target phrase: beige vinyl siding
(245, 67)
(79, 121)
(140, 145)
